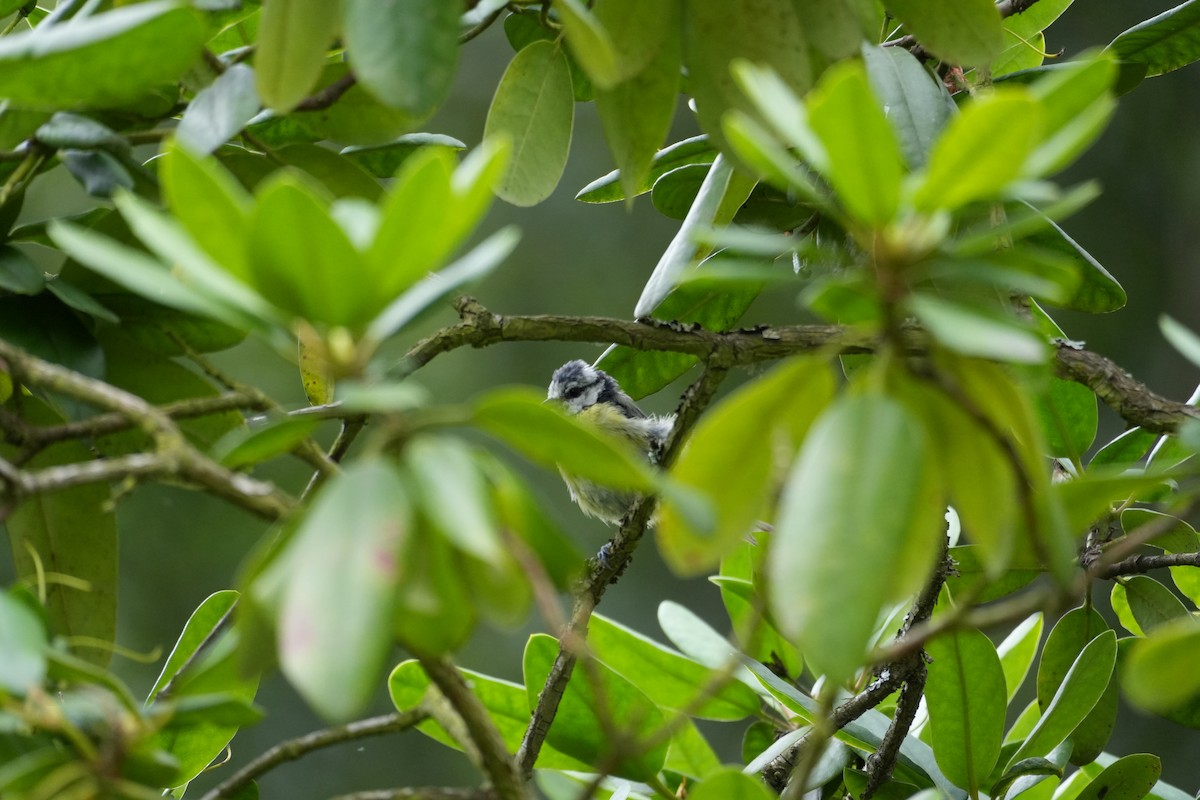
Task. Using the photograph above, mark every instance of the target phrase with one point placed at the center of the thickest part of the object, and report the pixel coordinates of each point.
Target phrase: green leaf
(1161, 674)
(715, 35)
(1082, 689)
(729, 783)
(865, 163)
(690, 754)
(293, 38)
(304, 260)
(506, 704)
(1181, 338)
(757, 427)
(1018, 650)
(23, 643)
(107, 60)
(1067, 411)
(1163, 43)
(979, 331)
(590, 43)
(72, 533)
(382, 160)
(200, 626)
(340, 176)
(1126, 449)
(405, 53)
(640, 31)
(435, 611)
(969, 162)
(533, 106)
(1078, 102)
(43, 326)
(99, 173)
(344, 566)
(636, 114)
(1120, 606)
(210, 204)
(18, 273)
(590, 714)
(1180, 538)
(856, 506)
(965, 691)
(964, 32)
(413, 236)
(1098, 292)
(453, 496)
(1130, 778)
(250, 446)
(357, 118)
(1152, 603)
(919, 107)
(547, 435)
(667, 677)
(219, 111)
(722, 192)
(608, 188)
(474, 265)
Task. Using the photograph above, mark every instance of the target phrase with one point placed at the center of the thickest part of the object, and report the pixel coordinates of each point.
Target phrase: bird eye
(573, 392)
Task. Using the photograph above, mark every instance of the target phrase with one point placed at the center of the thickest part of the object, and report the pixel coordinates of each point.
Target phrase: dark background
(178, 547)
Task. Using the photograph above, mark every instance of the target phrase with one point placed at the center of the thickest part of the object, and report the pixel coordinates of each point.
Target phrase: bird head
(578, 385)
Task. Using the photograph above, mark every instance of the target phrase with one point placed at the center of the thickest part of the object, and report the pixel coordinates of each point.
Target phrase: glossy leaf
(382, 160)
(534, 107)
(580, 730)
(219, 111)
(18, 273)
(856, 502)
(1018, 650)
(1130, 778)
(254, 445)
(1098, 291)
(1084, 684)
(343, 571)
(357, 118)
(435, 612)
(667, 677)
(293, 38)
(758, 427)
(969, 162)
(781, 109)
(1160, 674)
(965, 692)
(639, 31)
(590, 43)
(608, 188)
(106, 60)
(723, 191)
(965, 33)
(636, 114)
(403, 53)
(1163, 43)
(1151, 603)
(45, 327)
(918, 105)
(865, 162)
(1071, 634)
(1126, 449)
(507, 705)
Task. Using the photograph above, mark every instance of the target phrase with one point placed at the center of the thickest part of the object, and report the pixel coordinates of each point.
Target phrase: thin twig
(495, 759)
(317, 740)
(1136, 565)
(329, 95)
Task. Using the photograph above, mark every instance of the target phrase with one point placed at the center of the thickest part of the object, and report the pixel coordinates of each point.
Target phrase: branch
(326, 97)
(606, 570)
(175, 455)
(421, 793)
(1136, 565)
(496, 761)
(295, 748)
(1133, 400)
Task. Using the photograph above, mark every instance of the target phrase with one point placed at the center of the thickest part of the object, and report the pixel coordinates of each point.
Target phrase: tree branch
(496, 761)
(1130, 398)
(295, 748)
(1136, 565)
(175, 456)
(421, 793)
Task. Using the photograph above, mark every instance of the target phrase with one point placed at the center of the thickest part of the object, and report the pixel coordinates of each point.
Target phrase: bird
(595, 396)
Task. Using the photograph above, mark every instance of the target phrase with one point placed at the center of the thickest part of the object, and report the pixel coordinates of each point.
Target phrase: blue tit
(595, 396)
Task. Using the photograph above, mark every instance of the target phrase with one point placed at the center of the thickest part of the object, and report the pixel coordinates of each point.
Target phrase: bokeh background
(574, 258)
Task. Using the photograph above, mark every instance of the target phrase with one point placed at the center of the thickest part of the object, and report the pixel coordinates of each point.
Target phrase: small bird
(595, 396)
